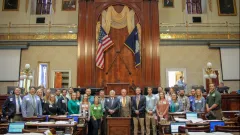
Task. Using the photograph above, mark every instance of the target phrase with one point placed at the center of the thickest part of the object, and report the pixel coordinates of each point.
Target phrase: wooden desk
(183, 115)
(35, 118)
(166, 127)
(118, 125)
(82, 129)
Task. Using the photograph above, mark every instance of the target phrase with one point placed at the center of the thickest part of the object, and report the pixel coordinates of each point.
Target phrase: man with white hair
(112, 105)
(125, 104)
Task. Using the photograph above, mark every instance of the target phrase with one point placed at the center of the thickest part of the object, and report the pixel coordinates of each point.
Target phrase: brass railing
(182, 31)
(38, 31)
(188, 31)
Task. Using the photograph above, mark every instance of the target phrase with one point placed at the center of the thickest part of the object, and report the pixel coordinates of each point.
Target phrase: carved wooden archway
(148, 73)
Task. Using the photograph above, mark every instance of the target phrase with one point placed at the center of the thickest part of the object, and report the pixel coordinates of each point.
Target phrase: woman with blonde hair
(162, 106)
(199, 102)
(50, 107)
(84, 107)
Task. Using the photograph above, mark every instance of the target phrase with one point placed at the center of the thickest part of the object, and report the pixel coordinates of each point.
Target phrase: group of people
(150, 107)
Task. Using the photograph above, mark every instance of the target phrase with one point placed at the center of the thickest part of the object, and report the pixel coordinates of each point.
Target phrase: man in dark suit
(11, 108)
(168, 3)
(62, 103)
(112, 105)
(138, 111)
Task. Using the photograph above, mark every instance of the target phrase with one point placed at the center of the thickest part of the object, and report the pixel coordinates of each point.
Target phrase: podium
(117, 87)
(118, 125)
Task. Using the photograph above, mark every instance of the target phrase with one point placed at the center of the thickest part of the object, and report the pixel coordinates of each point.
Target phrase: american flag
(104, 42)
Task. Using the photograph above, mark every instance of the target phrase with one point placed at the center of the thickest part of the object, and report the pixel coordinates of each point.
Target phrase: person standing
(192, 99)
(162, 107)
(125, 104)
(199, 102)
(58, 94)
(79, 96)
(31, 104)
(69, 94)
(138, 111)
(181, 84)
(213, 103)
(185, 101)
(90, 98)
(175, 104)
(112, 105)
(73, 105)
(51, 108)
(151, 102)
(62, 103)
(40, 95)
(84, 107)
(96, 115)
(11, 108)
(47, 95)
(102, 101)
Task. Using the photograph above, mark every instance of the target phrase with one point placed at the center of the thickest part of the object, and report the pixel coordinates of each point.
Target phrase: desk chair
(227, 128)
(182, 129)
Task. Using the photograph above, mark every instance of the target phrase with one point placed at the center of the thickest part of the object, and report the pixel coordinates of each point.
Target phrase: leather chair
(227, 128)
(183, 129)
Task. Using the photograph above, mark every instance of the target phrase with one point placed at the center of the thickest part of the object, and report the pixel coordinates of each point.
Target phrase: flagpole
(118, 52)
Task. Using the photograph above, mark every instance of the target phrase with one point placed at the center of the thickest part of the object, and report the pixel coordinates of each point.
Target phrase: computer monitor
(191, 115)
(174, 126)
(16, 127)
(215, 123)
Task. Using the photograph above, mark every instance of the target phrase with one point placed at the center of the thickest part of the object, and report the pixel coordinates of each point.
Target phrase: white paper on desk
(61, 122)
(76, 115)
(46, 122)
(181, 119)
(222, 133)
(62, 116)
(179, 113)
(212, 120)
(28, 123)
(198, 120)
(199, 133)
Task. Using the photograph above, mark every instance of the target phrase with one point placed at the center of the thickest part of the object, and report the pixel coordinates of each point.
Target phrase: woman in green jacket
(73, 105)
(96, 111)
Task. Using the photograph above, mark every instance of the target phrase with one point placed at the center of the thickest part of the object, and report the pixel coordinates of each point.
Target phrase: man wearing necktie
(31, 104)
(112, 105)
(12, 106)
(138, 111)
(125, 102)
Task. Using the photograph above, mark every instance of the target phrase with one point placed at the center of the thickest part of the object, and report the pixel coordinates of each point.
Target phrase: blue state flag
(132, 43)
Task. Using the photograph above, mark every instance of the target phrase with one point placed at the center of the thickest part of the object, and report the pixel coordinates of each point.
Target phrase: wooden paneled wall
(123, 69)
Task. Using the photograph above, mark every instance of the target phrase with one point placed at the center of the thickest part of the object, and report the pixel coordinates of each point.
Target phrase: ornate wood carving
(123, 69)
